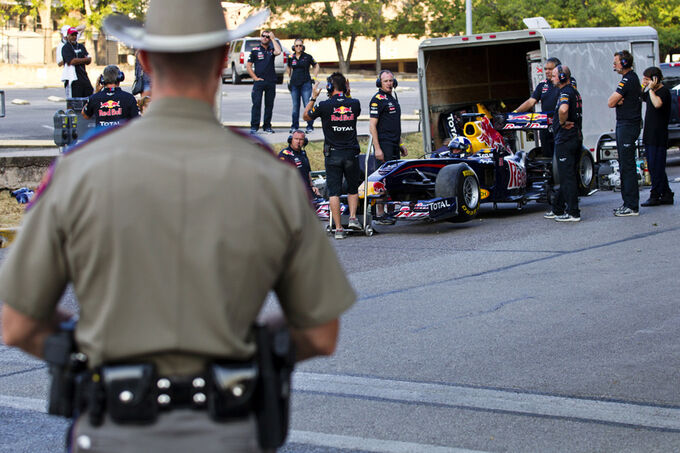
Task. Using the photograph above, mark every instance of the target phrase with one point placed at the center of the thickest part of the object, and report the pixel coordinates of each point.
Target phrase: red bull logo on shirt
(342, 113)
(110, 108)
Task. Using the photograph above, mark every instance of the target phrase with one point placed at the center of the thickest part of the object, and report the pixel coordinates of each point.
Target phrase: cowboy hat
(176, 26)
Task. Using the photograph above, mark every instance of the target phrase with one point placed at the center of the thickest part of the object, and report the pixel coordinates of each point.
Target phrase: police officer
(567, 124)
(261, 68)
(385, 127)
(547, 93)
(339, 116)
(295, 155)
(111, 105)
(626, 100)
(169, 272)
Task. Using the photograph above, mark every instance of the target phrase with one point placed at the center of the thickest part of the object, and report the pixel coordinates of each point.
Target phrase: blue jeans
(626, 138)
(269, 90)
(298, 91)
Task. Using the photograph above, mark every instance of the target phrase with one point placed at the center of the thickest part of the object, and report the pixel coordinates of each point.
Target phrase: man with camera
(169, 280)
(111, 105)
(339, 114)
(75, 54)
(295, 155)
(261, 68)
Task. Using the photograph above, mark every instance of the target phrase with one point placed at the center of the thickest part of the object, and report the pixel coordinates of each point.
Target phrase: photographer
(111, 106)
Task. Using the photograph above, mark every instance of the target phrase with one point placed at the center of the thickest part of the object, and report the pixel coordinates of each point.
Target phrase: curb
(7, 235)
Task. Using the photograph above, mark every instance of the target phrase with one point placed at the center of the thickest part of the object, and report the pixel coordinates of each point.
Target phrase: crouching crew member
(295, 154)
(341, 149)
(567, 125)
(169, 273)
(111, 106)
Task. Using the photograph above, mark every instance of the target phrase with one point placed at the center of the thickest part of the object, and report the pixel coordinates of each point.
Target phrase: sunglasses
(298, 45)
(265, 36)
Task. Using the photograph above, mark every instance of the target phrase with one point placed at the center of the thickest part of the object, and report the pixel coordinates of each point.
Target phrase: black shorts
(339, 163)
(390, 151)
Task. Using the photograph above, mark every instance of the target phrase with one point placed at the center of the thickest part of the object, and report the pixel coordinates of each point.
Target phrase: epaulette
(90, 137)
(253, 139)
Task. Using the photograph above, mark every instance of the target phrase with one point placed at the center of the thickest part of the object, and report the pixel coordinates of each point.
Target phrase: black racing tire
(585, 172)
(235, 78)
(459, 181)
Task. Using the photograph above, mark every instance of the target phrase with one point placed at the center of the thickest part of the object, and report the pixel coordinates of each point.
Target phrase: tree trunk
(44, 11)
(101, 57)
(378, 63)
(341, 56)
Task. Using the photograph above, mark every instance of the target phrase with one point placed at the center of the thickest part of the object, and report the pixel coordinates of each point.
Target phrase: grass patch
(11, 212)
(413, 143)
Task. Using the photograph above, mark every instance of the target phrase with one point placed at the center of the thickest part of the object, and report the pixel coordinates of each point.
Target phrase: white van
(237, 58)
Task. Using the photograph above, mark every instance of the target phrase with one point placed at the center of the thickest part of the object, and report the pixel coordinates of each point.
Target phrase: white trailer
(501, 69)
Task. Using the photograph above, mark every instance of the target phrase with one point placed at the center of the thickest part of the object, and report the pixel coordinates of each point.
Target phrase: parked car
(671, 78)
(239, 50)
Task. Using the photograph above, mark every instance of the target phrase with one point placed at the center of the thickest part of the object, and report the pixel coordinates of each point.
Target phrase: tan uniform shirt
(173, 231)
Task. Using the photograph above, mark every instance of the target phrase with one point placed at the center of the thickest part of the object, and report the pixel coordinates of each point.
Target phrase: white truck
(500, 71)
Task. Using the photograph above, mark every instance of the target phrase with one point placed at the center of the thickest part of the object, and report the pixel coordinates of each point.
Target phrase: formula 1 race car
(478, 166)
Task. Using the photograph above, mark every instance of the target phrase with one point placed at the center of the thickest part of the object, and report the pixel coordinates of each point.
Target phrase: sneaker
(253, 131)
(619, 208)
(653, 201)
(567, 218)
(292, 129)
(384, 220)
(340, 233)
(269, 131)
(626, 212)
(354, 224)
(309, 130)
(549, 215)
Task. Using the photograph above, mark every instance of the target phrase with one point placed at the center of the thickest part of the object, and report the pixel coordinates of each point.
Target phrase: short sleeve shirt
(110, 107)
(298, 159)
(71, 51)
(570, 96)
(339, 116)
(263, 62)
(386, 109)
(300, 68)
(164, 266)
(655, 132)
(547, 94)
(631, 110)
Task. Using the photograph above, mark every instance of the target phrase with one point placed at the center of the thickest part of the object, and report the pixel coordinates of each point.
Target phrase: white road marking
(47, 127)
(23, 403)
(642, 415)
(364, 444)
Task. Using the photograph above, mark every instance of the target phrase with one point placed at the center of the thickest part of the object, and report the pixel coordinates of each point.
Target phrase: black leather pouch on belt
(231, 389)
(130, 393)
(326, 150)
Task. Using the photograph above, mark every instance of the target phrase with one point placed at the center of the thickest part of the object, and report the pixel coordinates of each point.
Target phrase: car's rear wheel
(279, 79)
(459, 181)
(585, 171)
(235, 78)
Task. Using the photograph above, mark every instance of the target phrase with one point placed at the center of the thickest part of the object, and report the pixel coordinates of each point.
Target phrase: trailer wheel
(459, 181)
(585, 171)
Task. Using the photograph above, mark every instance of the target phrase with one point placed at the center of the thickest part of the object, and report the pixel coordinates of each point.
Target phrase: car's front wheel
(459, 181)
(235, 78)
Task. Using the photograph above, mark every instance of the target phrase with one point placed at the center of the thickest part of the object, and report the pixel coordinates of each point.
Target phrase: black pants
(391, 151)
(81, 89)
(656, 159)
(626, 137)
(547, 143)
(567, 193)
(269, 90)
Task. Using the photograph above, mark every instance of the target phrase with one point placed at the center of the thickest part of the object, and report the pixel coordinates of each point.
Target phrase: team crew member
(655, 135)
(300, 81)
(118, 220)
(547, 93)
(75, 54)
(385, 127)
(341, 148)
(295, 154)
(260, 66)
(567, 125)
(626, 100)
(111, 106)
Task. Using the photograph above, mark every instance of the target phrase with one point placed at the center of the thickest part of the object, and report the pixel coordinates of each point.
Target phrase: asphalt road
(34, 120)
(510, 333)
